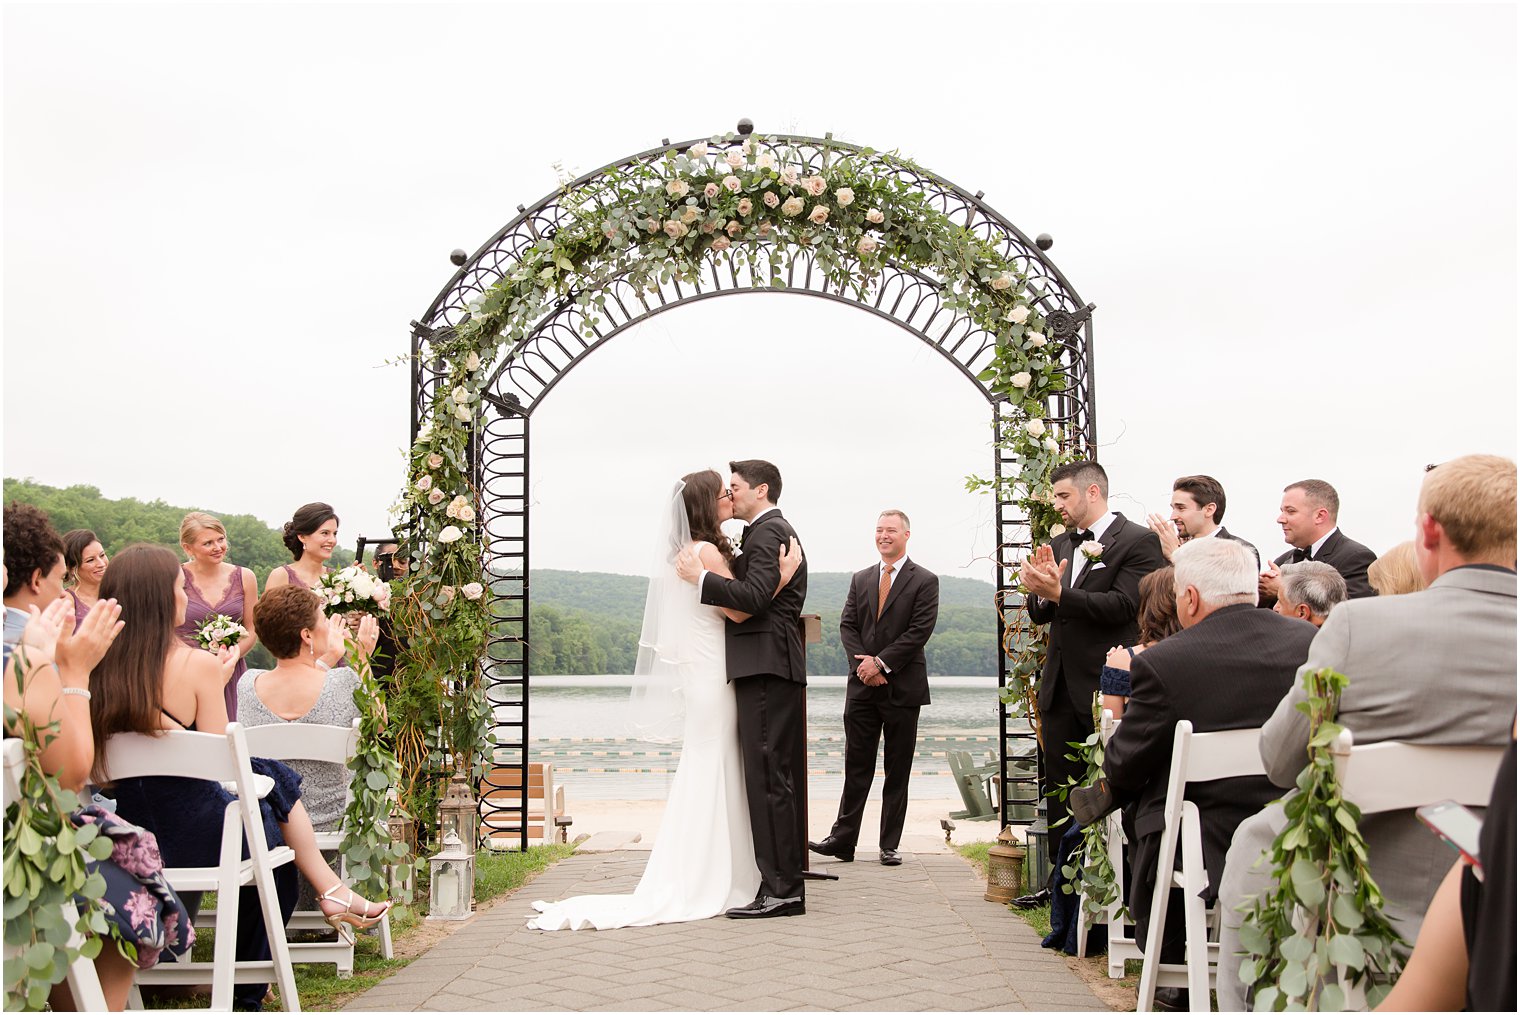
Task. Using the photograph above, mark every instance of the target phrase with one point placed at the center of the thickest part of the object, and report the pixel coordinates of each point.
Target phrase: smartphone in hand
(1459, 826)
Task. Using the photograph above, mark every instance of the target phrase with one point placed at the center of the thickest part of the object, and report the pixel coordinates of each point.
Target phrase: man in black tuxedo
(1197, 513)
(1308, 520)
(767, 667)
(1226, 669)
(888, 617)
(1085, 584)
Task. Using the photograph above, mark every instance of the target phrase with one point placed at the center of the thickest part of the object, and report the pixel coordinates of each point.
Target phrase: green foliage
(1094, 873)
(45, 866)
(367, 845)
(119, 523)
(1321, 925)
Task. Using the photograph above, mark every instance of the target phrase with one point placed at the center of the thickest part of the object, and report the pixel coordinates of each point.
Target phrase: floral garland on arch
(756, 201)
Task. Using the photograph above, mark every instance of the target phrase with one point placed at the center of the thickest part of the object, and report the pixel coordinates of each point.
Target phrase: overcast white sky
(1298, 224)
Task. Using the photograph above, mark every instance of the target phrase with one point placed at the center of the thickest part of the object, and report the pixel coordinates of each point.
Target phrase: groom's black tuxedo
(1347, 556)
(1095, 613)
(767, 666)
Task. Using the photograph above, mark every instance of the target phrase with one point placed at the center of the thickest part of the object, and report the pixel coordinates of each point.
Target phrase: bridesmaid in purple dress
(311, 536)
(214, 586)
(85, 561)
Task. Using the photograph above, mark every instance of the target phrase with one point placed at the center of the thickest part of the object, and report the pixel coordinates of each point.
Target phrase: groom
(767, 668)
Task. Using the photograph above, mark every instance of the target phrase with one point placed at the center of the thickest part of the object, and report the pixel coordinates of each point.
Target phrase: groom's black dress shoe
(765, 907)
(833, 847)
(890, 858)
(1032, 901)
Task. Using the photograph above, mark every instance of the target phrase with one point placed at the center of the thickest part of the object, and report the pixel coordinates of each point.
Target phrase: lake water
(577, 723)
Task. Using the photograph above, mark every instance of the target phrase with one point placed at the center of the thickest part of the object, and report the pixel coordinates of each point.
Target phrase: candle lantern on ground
(1005, 869)
(452, 892)
(459, 813)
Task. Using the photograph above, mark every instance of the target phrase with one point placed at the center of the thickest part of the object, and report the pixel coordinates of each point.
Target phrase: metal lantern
(1005, 869)
(452, 892)
(458, 812)
(402, 830)
(1037, 837)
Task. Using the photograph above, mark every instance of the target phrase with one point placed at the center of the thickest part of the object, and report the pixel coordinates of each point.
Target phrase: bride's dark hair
(701, 497)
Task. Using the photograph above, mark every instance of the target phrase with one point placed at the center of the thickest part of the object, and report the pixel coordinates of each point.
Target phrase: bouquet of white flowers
(218, 632)
(353, 590)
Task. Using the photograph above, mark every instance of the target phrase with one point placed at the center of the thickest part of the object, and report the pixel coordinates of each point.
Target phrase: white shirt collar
(897, 565)
(762, 514)
(1217, 530)
(1314, 550)
(1101, 526)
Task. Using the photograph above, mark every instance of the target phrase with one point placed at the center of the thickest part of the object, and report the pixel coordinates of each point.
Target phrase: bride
(703, 861)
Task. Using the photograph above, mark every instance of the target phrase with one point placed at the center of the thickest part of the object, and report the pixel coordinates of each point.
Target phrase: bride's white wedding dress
(703, 861)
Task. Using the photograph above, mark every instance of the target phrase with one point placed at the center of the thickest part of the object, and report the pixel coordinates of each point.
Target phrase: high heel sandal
(346, 921)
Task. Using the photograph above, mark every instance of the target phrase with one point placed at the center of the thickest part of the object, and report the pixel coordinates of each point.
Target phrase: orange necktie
(883, 589)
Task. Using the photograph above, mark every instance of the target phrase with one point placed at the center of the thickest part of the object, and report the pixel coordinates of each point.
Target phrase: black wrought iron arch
(580, 322)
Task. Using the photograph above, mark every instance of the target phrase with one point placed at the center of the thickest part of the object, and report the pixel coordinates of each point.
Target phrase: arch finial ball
(457, 257)
(1043, 241)
(746, 126)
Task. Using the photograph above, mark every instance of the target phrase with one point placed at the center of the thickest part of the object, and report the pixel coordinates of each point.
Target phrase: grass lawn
(496, 874)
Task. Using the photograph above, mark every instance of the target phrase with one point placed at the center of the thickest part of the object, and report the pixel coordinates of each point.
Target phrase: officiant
(888, 616)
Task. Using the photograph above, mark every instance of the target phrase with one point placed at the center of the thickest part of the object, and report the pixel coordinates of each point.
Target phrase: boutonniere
(1092, 550)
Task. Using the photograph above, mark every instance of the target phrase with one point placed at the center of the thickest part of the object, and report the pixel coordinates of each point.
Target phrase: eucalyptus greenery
(367, 847)
(754, 204)
(1323, 921)
(1091, 872)
(45, 867)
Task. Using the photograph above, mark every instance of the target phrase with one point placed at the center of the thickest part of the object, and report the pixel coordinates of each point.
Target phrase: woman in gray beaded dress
(301, 688)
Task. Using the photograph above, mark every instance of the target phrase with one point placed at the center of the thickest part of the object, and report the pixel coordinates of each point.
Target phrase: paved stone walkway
(918, 937)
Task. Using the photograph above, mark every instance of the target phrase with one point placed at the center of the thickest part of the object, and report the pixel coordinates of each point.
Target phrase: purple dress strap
(81, 609)
(295, 579)
(196, 612)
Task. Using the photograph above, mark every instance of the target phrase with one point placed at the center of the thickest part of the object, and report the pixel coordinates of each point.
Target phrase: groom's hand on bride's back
(688, 566)
(790, 559)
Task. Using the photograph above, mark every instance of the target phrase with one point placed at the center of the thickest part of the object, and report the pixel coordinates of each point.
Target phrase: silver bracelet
(82, 692)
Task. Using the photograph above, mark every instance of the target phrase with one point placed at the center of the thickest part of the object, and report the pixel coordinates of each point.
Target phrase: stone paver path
(918, 937)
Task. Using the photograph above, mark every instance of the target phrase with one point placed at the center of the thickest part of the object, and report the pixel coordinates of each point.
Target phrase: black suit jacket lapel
(1110, 537)
(1327, 551)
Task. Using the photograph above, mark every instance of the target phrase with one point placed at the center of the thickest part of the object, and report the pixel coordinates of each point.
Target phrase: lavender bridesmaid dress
(196, 612)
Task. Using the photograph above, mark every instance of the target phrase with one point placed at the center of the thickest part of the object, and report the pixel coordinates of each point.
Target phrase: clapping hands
(1041, 573)
(1166, 529)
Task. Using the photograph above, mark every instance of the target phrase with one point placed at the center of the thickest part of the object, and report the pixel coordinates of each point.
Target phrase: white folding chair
(299, 741)
(1395, 776)
(83, 983)
(223, 759)
(1121, 941)
(1196, 757)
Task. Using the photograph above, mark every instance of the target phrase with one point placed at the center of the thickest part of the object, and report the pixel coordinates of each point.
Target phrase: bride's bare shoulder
(711, 559)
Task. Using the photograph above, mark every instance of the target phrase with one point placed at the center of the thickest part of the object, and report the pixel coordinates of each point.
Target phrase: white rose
(1035, 339)
(425, 483)
(674, 229)
(734, 159)
(1018, 315)
(709, 226)
(844, 196)
(677, 188)
(789, 177)
(770, 199)
(732, 184)
(711, 190)
(720, 243)
(472, 362)
(867, 245)
(454, 506)
(434, 461)
(1002, 282)
(734, 227)
(819, 215)
(815, 185)
(698, 150)
(875, 217)
(746, 206)
(363, 585)
(1057, 530)
(652, 224)
(1035, 427)
(1052, 445)
(435, 498)
(1020, 379)
(462, 413)
(445, 595)
(765, 160)
(690, 214)
(473, 590)
(461, 394)
(748, 145)
(450, 534)
(792, 206)
(467, 514)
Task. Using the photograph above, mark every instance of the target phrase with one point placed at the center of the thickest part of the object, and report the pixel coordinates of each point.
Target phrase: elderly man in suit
(1085, 584)
(1226, 669)
(1431, 667)
(889, 614)
(1308, 516)
(1309, 590)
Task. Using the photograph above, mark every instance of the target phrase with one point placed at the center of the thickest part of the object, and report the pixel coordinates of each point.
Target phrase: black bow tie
(1082, 536)
(1304, 554)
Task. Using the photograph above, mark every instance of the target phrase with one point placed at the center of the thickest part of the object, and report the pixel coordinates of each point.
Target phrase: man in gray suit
(1431, 667)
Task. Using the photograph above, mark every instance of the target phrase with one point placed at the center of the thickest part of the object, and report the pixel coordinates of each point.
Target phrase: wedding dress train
(703, 861)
